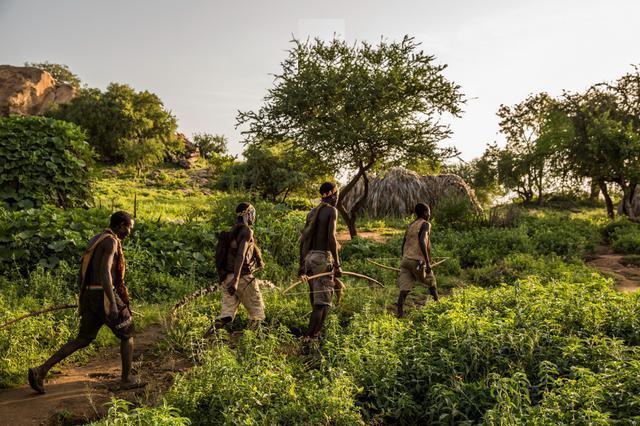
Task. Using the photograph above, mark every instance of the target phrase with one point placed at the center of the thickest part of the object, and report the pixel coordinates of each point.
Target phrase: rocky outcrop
(189, 157)
(30, 91)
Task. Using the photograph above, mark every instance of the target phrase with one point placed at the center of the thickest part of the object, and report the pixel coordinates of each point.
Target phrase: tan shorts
(408, 275)
(321, 289)
(248, 293)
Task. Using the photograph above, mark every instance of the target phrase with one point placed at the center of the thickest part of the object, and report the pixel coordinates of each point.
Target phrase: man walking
(319, 253)
(104, 300)
(416, 257)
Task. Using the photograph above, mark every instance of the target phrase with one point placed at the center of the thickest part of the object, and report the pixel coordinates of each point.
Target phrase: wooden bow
(391, 268)
(324, 274)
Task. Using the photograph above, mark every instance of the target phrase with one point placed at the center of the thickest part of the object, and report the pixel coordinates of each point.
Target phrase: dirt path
(79, 394)
(627, 277)
(344, 236)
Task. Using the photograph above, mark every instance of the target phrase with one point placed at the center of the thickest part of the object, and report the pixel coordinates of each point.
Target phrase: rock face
(30, 91)
(396, 192)
(190, 156)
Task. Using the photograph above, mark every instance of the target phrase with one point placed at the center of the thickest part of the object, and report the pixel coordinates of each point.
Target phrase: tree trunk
(627, 200)
(351, 216)
(607, 199)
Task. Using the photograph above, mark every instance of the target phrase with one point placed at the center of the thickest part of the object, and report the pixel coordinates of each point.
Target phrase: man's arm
(245, 235)
(107, 252)
(333, 241)
(423, 238)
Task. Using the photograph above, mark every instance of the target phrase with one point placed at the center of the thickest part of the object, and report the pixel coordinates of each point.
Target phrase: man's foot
(131, 383)
(36, 379)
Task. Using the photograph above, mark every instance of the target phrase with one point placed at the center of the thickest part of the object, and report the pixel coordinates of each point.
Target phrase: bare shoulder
(332, 212)
(106, 248)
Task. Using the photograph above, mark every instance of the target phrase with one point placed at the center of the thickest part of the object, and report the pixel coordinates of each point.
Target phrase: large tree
(524, 164)
(357, 106)
(119, 118)
(604, 141)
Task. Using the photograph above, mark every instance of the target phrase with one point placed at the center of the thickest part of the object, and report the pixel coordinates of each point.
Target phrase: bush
(43, 161)
(119, 119)
(626, 242)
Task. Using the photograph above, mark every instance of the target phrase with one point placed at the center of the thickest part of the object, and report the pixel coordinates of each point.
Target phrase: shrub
(43, 161)
(626, 241)
(119, 118)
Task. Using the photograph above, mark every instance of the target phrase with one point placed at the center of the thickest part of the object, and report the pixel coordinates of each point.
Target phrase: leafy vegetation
(123, 124)
(43, 161)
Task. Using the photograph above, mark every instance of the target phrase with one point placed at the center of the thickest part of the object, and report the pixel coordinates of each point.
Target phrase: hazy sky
(207, 59)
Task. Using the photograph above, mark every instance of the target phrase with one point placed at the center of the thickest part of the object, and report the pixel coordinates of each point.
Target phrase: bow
(324, 274)
(391, 268)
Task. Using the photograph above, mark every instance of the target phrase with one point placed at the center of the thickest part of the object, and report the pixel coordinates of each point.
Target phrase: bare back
(324, 234)
(94, 271)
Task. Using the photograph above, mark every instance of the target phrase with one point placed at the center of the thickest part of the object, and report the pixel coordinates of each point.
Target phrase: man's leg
(126, 353)
(37, 374)
(401, 299)
(316, 322)
(228, 309)
(434, 293)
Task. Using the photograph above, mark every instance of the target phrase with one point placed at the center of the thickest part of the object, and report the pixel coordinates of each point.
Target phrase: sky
(208, 59)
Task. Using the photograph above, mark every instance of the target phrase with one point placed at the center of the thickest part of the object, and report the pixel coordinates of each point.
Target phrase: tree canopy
(121, 122)
(356, 107)
(60, 72)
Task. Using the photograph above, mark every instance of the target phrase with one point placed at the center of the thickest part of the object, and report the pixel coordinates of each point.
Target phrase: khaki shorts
(248, 293)
(408, 275)
(321, 289)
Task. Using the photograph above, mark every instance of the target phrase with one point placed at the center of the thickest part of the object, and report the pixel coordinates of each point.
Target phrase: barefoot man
(319, 253)
(236, 262)
(416, 257)
(104, 300)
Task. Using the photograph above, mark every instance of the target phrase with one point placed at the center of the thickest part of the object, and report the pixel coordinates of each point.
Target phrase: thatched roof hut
(396, 192)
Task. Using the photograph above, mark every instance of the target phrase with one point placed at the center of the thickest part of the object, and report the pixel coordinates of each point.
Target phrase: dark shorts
(93, 316)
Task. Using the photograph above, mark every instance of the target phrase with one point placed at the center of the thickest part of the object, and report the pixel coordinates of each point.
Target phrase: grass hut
(396, 192)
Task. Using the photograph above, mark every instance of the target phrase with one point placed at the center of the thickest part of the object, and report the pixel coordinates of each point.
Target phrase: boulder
(30, 91)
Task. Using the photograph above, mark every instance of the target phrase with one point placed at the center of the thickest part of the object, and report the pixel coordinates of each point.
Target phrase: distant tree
(275, 171)
(210, 144)
(603, 140)
(480, 174)
(121, 117)
(142, 154)
(524, 165)
(357, 107)
(60, 72)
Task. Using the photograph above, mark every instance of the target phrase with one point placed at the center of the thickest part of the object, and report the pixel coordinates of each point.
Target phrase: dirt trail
(78, 394)
(627, 276)
(344, 236)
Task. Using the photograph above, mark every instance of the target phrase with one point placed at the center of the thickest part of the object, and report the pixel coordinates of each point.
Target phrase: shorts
(248, 293)
(409, 274)
(321, 289)
(93, 306)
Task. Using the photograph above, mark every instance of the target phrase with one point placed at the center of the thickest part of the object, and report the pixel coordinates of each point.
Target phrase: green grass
(526, 334)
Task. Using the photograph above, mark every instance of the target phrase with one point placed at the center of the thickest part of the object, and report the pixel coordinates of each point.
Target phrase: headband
(246, 211)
